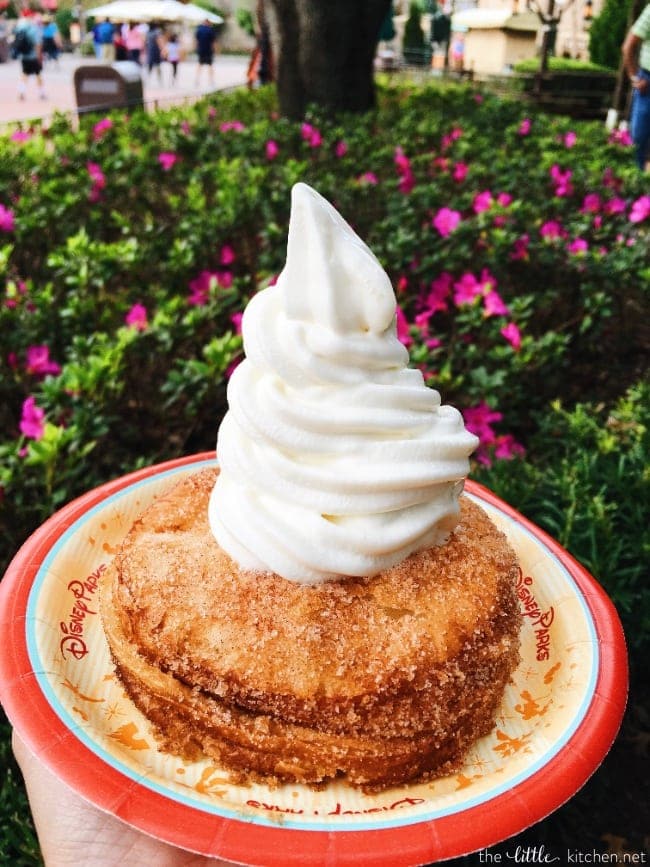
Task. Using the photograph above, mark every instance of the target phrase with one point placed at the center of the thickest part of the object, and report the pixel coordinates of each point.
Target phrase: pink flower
(232, 125)
(520, 248)
(186, 129)
(446, 221)
(460, 172)
(200, 288)
(224, 279)
(479, 420)
(506, 448)
(368, 179)
(403, 332)
(512, 334)
(524, 126)
(227, 255)
(311, 135)
(551, 229)
(615, 206)
(96, 174)
(403, 165)
(504, 200)
(640, 210)
(402, 162)
(39, 363)
(482, 202)
(272, 149)
(466, 290)
(7, 222)
(620, 137)
(562, 180)
(341, 149)
(236, 319)
(450, 138)
(167, 160)
(591, 204)
(232, 367)
(570, 139)
(493, 304)
(102, 127)
(32, 420)
(21, 136)
(98, 181)
(440, 290)
(577, 246)
(137, 317)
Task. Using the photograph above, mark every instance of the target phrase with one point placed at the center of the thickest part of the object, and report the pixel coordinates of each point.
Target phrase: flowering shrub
(129, 248)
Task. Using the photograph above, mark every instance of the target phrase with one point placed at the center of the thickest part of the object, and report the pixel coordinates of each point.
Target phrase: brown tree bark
(324, 52)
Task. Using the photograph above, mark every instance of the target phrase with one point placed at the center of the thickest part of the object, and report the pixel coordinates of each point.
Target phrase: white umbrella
(153, 10)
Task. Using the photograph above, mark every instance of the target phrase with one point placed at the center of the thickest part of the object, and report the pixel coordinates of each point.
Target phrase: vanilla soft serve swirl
(336, 459)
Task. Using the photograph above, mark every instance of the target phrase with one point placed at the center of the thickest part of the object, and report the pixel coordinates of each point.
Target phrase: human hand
(72, 832)
(640, 84)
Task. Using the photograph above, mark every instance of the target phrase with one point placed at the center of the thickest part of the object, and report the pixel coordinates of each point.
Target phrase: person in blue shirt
(28, 45)
(206, 37)
(105, 36)
(51, 39)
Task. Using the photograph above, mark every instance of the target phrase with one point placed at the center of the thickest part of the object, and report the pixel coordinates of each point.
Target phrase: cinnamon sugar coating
(385, 679)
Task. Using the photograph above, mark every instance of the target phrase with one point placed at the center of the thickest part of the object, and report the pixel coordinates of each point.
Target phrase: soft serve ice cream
(336, 459)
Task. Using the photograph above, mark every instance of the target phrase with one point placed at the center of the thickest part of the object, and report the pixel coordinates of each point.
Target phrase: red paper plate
(557, 722)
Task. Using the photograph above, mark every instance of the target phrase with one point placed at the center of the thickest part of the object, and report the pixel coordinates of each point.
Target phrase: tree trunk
(324, 52)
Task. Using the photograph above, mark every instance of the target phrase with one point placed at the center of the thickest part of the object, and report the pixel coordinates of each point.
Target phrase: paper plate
(557, 722)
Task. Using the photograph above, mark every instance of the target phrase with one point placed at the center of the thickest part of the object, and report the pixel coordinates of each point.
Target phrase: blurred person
(105, 36)
(134, 42)
(119, 42)
(97, 46)
(28, 48)
(636, 57)
(206, 37)
(458, 52)
(260, 68)
(71, 832)
(172, 54)
(52, 42)
(153, 48)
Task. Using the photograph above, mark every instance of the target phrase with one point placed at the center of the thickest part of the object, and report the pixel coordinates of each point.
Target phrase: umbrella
(153, 10)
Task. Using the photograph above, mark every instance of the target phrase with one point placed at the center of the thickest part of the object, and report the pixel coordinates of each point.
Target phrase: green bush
(562, 64)
(607, 33)
(587, 483)
(545, 271)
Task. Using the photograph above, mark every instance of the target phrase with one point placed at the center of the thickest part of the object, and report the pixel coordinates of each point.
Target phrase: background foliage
(517, 244)
(607, 32)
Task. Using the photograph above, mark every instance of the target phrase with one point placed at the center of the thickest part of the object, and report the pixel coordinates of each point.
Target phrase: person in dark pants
(636, 56)
(153, 45)
(206, 37)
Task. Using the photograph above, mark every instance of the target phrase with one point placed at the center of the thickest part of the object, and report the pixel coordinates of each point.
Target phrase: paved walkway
(229, 71)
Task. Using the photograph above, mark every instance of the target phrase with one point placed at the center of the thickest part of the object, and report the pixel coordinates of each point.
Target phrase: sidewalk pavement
(158, 92)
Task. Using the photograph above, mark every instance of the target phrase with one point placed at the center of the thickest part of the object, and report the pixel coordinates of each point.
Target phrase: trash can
(102, 87)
